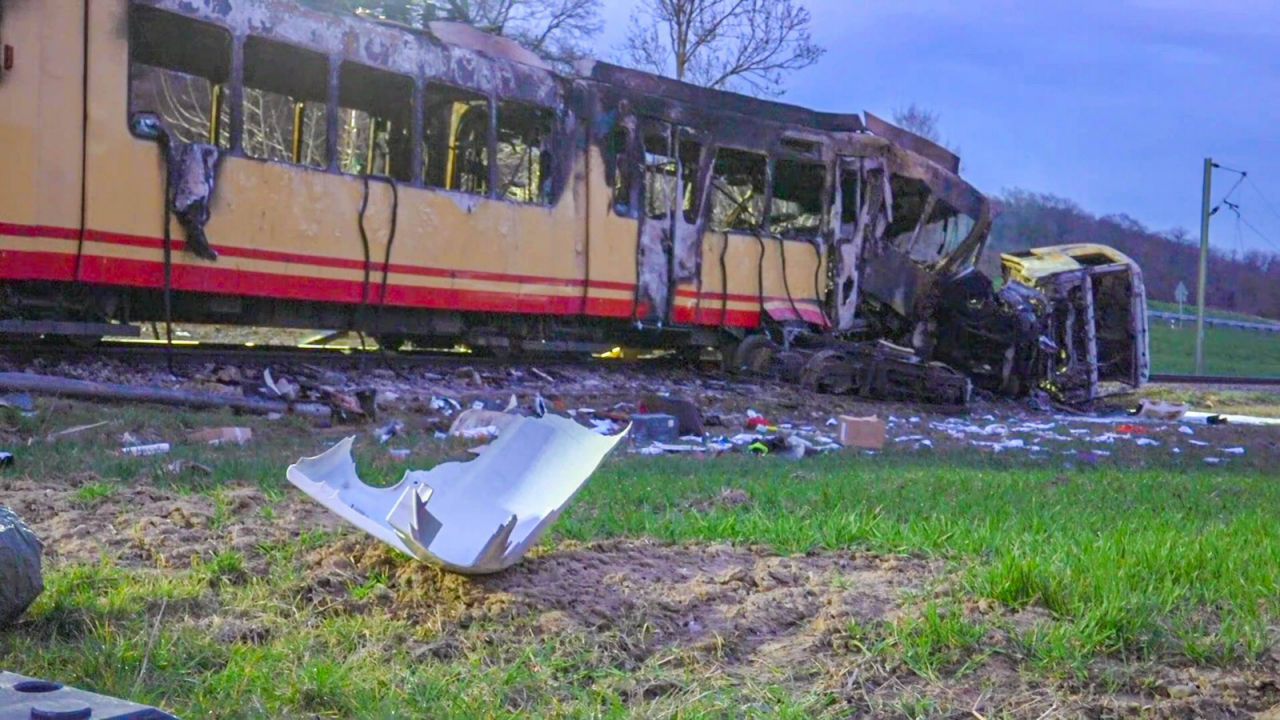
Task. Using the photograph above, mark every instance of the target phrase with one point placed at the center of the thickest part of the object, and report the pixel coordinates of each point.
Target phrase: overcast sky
(1113, 104)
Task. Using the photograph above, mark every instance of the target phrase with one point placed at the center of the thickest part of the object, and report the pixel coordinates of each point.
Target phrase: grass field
(1020, 588)
(1209, 312)
(1227, 351)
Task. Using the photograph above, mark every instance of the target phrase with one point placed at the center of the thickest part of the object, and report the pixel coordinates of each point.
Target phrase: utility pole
(1204, 265)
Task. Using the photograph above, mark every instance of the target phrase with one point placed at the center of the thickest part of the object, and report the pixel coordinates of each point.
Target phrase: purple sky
(1111, 104)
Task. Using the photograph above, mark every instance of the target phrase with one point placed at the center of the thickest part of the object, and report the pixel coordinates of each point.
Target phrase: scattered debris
(1161, 410)
(648, 428)
(220, 436)
(55, 436)
(475, 517)
(684, 410)
(143, 450)
(867, 433)
(178, 467)
(475, 424)
(20, 578)
(399, 453)
(6, 459)
(388, 431)
(21, 402)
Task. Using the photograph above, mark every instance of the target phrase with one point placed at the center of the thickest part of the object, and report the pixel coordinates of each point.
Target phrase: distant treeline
(1247, 283)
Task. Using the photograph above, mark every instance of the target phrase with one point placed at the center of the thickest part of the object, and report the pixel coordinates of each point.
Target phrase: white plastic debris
(471, 517)
(1233, 450)
(1186, 430)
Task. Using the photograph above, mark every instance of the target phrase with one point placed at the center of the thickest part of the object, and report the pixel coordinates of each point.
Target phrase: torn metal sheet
(472, 517)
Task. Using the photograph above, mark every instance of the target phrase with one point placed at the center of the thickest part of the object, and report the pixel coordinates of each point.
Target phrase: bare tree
(558, 30)
(919, 120)
(747, 45)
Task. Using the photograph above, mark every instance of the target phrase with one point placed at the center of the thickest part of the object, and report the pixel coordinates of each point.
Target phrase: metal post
(1204, 265)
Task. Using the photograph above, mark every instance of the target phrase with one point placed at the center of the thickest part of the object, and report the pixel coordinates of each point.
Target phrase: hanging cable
(786, 284)
(168, 256)
(1265, 200)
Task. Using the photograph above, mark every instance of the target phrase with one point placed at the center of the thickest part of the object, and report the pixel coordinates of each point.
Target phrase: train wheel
(755, 354)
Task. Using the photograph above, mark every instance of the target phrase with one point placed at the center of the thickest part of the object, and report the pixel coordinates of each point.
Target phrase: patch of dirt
(743, 606)
(142, 525)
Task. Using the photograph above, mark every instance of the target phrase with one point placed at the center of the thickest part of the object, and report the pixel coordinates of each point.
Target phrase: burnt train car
(256, 162)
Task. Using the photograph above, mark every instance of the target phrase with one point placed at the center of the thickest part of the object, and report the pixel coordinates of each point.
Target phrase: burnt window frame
(221, 93)
(329, 104)
(804, 150)
(408, 104)
(547, 169)
(686, 172)
(490, 139)
(234, 62)
(760, 228)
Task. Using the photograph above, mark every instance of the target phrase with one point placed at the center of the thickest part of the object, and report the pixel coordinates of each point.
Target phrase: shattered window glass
(374, 128)
(524, 152)
(738, 190)
(455, 143)
(796, 208)
(285, 104)
(178, 68)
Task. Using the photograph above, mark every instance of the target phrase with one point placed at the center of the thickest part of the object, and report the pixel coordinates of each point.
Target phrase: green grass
(1128, 561)
(1208, 312)
(1228, 351)
(1157, 562)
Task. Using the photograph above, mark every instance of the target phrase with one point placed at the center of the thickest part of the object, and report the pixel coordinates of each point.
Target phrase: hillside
(1247, 284)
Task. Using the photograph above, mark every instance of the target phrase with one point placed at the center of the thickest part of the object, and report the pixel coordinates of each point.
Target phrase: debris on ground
(6, 459)
(650, 428)
(1161, 410)
(20, 579)
(473, 517)
(479, 424)
(867, 433)
(144, 450)
(69, 432)
(221, 436)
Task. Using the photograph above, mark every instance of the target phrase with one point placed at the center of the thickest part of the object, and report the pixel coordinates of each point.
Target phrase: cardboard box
(867, 433)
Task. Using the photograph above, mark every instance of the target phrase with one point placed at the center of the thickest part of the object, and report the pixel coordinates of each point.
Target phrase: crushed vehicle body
(473, 517)
(437, 186)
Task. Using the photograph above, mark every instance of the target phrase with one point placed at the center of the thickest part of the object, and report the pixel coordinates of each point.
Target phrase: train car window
(738, 190)
(670, 171)
(524, 152)
(455, 143)
(285, 103)
(795, 210)
(375, 122)
(178, 69)
(619, 165)
(850, 197)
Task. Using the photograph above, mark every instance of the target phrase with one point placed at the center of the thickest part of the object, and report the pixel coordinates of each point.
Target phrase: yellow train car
(254, 161)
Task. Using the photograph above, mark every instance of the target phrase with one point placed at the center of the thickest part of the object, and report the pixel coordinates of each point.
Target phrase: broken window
(738, 190)
(618, 165)
(285, 103)
(455, 143)
(375, 110)
(670, 171)
(796, 208)
(850, 196)
(178, 69)
(524, 152)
